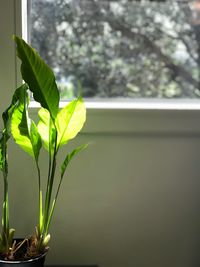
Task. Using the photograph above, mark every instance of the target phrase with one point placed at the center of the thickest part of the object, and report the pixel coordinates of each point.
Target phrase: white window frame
(111, 117)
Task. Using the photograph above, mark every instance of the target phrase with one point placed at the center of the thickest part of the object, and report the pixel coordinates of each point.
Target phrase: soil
(20, 251)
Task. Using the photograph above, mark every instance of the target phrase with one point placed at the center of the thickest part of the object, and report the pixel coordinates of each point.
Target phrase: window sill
(151, 118)
(137, 104)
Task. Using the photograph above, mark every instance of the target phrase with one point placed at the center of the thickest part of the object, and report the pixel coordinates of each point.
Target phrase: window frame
(107, 116)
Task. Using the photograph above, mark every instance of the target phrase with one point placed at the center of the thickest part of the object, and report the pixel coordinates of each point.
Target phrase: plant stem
(50, 183)
(50, 193)
(48, 180)
(54, 204)
(5, 221)
(40, 199)
(5, 240)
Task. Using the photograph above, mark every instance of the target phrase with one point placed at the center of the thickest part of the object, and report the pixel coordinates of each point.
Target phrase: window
(120, 48)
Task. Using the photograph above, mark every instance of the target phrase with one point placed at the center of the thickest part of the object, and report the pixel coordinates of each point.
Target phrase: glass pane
(120, 48)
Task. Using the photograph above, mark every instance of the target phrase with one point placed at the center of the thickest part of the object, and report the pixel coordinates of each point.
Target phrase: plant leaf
(70, 120)
(46, 129)
(7, 115)
(69, 157)
(24, 131)
(39, 77)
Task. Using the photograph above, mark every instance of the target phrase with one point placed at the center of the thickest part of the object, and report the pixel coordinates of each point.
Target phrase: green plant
(54, 130)
(6, 237)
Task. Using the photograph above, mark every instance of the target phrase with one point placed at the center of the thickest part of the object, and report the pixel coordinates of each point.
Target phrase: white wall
(131, 199)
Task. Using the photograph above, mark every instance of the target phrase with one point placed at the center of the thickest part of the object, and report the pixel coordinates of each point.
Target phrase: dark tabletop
(71, 265)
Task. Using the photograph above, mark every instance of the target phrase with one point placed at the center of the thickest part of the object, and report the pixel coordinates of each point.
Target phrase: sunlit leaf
(70, 121)
(46, 129)
(25, 132)
(18, 96)
(38, 75)
(7, 114)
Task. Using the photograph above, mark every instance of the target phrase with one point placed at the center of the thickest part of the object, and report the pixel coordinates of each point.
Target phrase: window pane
(120, 48)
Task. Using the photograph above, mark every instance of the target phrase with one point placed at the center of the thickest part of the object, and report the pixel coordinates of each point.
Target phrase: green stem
(50, 193)
(5, 221)
(49, 172)
(5, 212)
(40, 199)
(49, 190)
(54, 204)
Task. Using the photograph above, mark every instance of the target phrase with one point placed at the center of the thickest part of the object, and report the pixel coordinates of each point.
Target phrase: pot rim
(24, 261)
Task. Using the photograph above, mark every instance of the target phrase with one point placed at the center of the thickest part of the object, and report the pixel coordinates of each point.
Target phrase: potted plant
(56, 127)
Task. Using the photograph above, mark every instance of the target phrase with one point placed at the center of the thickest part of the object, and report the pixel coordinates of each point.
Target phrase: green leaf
(70, 121)
(7, 115)
(69, 157)
(39, 77)
(46, 129)
(24, 131)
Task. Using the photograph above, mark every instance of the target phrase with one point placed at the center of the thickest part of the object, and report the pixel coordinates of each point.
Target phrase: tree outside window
(120, 48)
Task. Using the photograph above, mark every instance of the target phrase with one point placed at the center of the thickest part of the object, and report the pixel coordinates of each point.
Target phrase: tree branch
(177, 69)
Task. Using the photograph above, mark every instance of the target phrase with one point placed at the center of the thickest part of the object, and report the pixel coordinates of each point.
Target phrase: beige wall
(131, 199)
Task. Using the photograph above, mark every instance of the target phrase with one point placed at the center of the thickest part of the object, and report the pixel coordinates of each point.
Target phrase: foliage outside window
(120, 48)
